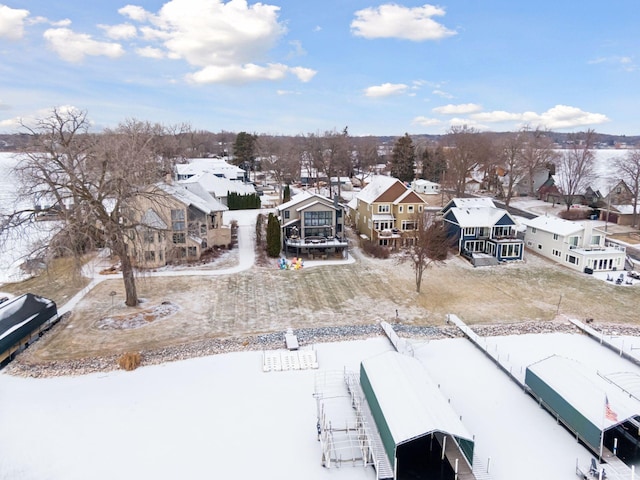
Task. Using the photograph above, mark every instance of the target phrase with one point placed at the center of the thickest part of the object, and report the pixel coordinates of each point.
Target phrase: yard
(266, 299)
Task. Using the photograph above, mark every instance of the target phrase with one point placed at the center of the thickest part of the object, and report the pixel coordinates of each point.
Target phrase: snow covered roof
(556, 225)
(478, 216)
(626, 209)
(585, 390)
(211, 165)
(219, 186)
(301, 197)
(421, 408)
(198, 198)
(472, 202)
(378, 185)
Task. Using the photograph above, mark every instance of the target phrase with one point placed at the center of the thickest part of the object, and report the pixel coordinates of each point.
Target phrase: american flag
(608, 413)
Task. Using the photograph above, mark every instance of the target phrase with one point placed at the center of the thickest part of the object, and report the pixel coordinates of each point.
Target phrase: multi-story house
(177, 225)
(484, 233)
(313, 226)
(385, 212)
(576, 245)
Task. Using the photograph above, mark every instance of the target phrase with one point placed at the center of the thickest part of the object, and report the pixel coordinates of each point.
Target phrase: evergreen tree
(434, 164)
(403, 159)
(286, 194)
(244, 151)
(273, 236)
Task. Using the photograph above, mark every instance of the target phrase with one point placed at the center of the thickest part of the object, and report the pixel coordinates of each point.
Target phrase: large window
(317, 219)
(469, 231)
(501, 231)
(177, 220)
(179, 238)
(510, 250)
(149, 236)
(383, 209)
(408, 225)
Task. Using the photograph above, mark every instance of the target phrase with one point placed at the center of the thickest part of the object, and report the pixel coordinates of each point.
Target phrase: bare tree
(512, 160)
(280, 156)
(576, 166)
(365, 157)
(430, 245)
(92, 182)
(537, 153)
(463, 156)
(628, 167)
(328, 154)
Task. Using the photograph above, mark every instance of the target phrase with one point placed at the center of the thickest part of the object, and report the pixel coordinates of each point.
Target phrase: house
(577, 245)
(384, 211)
(219, 187)
(484, 233)
(312, 225)
(620, 214)
(216, 166)
(177, 224)
(425, 187)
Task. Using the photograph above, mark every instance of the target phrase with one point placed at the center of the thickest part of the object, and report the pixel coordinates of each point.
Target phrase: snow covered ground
(223, 417)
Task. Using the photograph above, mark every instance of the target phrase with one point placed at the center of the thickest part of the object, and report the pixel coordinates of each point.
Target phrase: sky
(297, 67)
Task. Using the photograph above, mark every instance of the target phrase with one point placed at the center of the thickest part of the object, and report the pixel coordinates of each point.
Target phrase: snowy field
(223, 417)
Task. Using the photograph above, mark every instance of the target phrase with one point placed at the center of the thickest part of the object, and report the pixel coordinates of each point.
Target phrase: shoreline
(307, 337)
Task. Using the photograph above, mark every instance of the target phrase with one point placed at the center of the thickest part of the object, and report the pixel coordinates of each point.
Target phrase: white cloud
(32, 119)
(564, 116)
(627, 63)
(442, 93)
(297, 50)
(12, 22)
(287, 92)
(57, 23)
(227, 41)
(122, 31)
(238, 73)
(151, 52)
(425, 121)
(386, 90)
(397, 21)
(136, 13)
(303, 74)
(461, 109)
(496, 116)
(73, 47)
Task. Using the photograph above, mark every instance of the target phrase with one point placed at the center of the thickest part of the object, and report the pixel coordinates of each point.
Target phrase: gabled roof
(554, 225)
(326, 204)
(379, 184)
(219, 186)
(626, 209)
(469, 202)
(197, 198)
(478, 216)
(212, 165)
(303, 197)
(409, 196)
(420, 408)
(153, 220)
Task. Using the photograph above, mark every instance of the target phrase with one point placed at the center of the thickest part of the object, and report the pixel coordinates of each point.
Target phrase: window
(400, 208)
(408, 225)
(533, 229)
(595, 240)
(286, 214)
(316, 219)
(179, 238)
(192, 251)
(510, 250)
(383, 242)
(149, 236)
(409, 208)
(177, 220)
(420, 208)
(502, 231)
(573, 260)
(469, 231)
(557, 253)
(149, 256)
(539, 246)
(573, 241)
(555, 236)
(383, 209)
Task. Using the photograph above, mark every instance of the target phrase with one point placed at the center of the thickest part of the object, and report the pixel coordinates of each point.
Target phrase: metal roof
(586, 391)
(410, 400)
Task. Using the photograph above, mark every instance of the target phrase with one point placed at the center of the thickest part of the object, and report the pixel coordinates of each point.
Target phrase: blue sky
(301, 66)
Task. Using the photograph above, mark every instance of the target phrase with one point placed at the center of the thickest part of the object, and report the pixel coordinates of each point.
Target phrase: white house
(576, 245)
(425, 186)
(218, 187)
(215, 166)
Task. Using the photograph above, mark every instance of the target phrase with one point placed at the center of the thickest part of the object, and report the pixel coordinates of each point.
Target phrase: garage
(422, 436)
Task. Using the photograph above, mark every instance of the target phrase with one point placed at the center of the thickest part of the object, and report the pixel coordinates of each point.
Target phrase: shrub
(129, 361)
(374, 250)
(575, 214)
